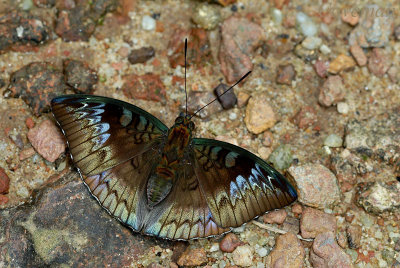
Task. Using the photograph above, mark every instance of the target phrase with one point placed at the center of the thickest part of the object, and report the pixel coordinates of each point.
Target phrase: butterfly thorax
(172, 159)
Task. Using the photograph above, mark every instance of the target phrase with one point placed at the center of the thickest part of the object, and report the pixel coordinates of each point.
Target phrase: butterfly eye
(179, 120)
(191, 125)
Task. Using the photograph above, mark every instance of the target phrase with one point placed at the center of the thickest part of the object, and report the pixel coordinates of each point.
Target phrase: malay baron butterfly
(162, 181)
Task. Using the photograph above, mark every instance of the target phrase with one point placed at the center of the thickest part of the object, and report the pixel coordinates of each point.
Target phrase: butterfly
(163, 181)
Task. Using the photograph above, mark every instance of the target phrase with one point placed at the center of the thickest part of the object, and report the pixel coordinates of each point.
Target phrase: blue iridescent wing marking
(238, 186)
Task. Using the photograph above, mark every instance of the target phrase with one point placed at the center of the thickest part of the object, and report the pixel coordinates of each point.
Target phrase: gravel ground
(321, 105)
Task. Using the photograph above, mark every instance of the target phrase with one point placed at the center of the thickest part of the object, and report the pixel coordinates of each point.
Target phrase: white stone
(342, 107)
(311, 42)
(243, 256)
(324, 49)
(305, 24)
(148, 23)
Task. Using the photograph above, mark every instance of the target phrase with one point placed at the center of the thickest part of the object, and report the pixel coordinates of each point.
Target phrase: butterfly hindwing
(184, 214)
(238, 185)
(103, 132)
(120, 190)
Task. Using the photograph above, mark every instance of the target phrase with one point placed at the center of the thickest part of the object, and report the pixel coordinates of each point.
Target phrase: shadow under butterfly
(162, 181)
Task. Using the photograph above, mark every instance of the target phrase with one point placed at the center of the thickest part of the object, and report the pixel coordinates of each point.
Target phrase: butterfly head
(185, 120)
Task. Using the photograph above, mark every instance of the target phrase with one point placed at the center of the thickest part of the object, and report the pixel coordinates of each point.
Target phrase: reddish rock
(198, 50)
(237, 46)
(193, 257)
(297, 209)
(288, 252)
(379, 62)
(3, 199)
(306, 117)
(332, 91)
(317, 185)
(314, 222)
(341, 63)
(47, 140)
(291, 224)
(141, 55)
(259, 114)
(26, 153)
(268, 138)
(37, 84)
(277, 216)
(229, 243)
(285, 74)
(327, 253)
(321, 68)
(354, 233)
(144, 87)
(358, 54)
(4, 181)
(29, 122)
(280, 3)
(80, 76)
(20, 31)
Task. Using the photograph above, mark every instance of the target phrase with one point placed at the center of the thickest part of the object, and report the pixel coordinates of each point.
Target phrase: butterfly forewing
(238, 186)
(103, 132)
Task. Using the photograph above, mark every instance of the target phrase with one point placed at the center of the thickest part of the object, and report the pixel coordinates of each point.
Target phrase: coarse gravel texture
(48, 218)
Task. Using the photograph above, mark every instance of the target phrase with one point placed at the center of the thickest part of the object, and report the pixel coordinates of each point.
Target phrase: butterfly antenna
(185, 78)
(240, 80)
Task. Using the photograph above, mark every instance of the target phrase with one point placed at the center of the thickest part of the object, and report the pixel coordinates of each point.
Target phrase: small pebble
(341, 63)
(148, 23)
(351, 18)
(3, 199)
(332, 91)
(4, 181)
(297, 208)
(243, 256)
(264, 152)
(288, 252)
(333, 140)
(327, 253)
(193, 257)
(358, 54)
(23, 192)
(227, 100)
(285, 74)
(314, 222)
(229, 243)
(281, 157)
(141, 55)
(232, 116)
(324, 49)
(379, 62)
(47, 140)
(311, 42)
(262, 252)
(343, 108)
(305, 24)
(259, 114)
(243, 98)
(276, 15)
(206, 16)
(277, 216)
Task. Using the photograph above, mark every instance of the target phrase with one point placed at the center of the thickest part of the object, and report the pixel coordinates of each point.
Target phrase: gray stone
(281, 157)
(65, 226)
(379, 197)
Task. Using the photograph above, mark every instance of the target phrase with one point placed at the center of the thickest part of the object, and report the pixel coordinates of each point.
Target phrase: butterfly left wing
(184, 214)
(103, 132)
(238, 185)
